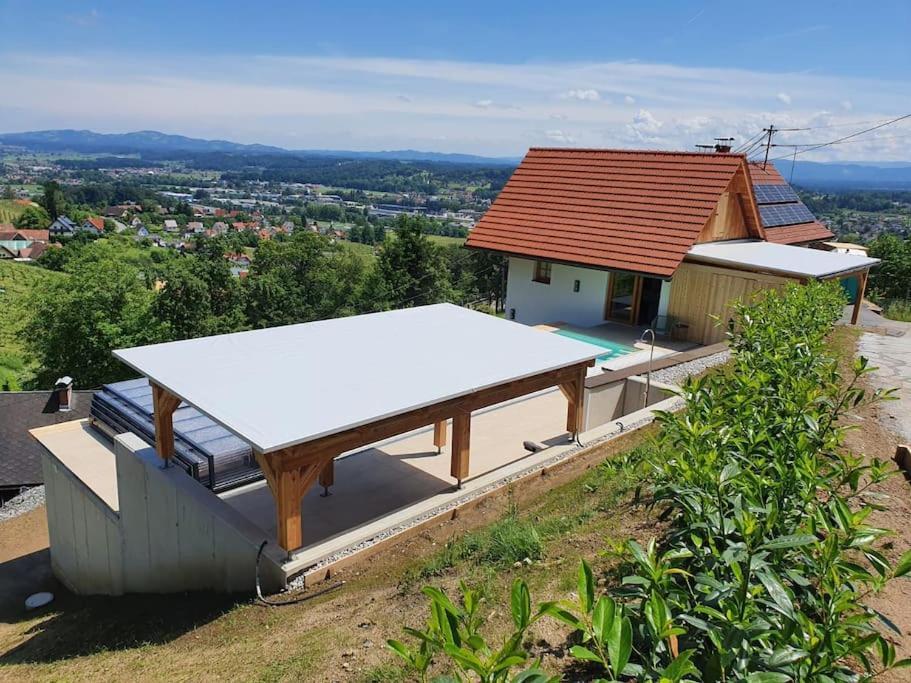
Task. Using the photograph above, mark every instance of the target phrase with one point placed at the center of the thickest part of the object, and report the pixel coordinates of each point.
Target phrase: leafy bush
(454, 631)
(898, 309)
(764, 573)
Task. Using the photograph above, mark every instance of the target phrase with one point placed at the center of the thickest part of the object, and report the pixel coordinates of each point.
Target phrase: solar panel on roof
(774, 194)
(785, 214)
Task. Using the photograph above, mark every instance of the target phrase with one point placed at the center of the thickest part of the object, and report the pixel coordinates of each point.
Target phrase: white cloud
(645, 127)
(560, 137)
(352, 103)
(783, 97)
(584, 95)
(847, 105)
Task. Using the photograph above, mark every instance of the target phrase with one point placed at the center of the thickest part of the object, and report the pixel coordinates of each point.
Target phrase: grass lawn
(446, 241)
(17, 280)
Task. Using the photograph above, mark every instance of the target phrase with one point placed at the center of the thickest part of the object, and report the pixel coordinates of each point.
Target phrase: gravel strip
(677, 373)
(24, 502)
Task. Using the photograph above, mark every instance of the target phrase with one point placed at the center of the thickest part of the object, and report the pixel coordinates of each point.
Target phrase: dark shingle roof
(20, 411)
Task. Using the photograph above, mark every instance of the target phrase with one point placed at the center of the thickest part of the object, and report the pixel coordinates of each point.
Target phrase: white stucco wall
(536, 303)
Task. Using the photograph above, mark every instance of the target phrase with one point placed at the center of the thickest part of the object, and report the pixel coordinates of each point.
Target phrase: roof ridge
(663, 152)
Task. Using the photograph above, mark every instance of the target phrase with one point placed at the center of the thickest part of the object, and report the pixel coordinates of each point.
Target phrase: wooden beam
(358, 437)
(461, 443)
(439, 434)
(164, 403)
(291, 471)
(861, 290)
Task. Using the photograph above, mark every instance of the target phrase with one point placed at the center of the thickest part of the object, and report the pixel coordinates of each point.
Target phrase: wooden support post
(461, 443)
(439, 435)
(861, 290)
(575, 402)
(164, 403)
(288, 488)
(327, 476)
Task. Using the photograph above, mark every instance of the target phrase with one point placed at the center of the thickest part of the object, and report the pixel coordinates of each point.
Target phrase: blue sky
(490, 78)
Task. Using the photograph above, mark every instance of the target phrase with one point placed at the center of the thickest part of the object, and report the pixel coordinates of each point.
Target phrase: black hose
(294, 601)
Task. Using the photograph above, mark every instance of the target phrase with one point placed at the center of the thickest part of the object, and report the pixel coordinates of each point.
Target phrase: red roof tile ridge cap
(663, 152)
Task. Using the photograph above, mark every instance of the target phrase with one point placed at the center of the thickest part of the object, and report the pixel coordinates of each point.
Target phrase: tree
(892, 278)
(302, 278)
(33, 218)
(183, 304)
(53, 201)
(76, 322)
(410, 269)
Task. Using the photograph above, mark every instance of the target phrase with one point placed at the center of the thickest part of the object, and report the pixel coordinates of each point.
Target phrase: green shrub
(764, 574)
(898, 309)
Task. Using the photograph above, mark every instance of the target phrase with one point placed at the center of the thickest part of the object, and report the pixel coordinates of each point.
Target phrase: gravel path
(677, 373)
(892, 356)
(25, 501)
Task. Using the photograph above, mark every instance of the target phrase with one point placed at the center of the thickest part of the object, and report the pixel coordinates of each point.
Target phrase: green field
(446, 241)
(17, 280)
(9, 210)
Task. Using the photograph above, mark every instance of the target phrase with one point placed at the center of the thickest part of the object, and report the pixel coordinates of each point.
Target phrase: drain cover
(37, 600)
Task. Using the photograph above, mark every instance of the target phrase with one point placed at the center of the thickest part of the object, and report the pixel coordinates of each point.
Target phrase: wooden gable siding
(733, 217)
(699, 292)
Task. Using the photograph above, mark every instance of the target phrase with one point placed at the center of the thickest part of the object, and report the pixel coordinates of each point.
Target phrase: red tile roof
(36, 235)
(621, 209)
(797, 234)
(97, 222)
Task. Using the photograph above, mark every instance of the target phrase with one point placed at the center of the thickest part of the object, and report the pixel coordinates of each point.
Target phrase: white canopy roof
(284, 386)
(779, 258)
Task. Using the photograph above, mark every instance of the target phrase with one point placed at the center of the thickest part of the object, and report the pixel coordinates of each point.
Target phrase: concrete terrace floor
(401, 472)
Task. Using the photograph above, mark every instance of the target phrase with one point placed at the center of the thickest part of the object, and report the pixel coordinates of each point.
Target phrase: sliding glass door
(621, 297)
(632, 299)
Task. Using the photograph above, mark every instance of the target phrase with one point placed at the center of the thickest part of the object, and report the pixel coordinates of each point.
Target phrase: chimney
(723, 145)
(64, 390)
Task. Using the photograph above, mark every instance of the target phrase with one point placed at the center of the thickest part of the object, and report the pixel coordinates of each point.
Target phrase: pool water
(614, 349)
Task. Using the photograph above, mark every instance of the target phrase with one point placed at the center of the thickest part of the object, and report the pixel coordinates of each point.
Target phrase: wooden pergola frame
(291, 472)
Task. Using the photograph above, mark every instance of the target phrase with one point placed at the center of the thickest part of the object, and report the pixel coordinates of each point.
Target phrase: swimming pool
(614, 349)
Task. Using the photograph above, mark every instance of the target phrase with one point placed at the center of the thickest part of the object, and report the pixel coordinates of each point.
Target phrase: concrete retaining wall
(611, 401)
(85, 538)
(178, 535)
(169, 534)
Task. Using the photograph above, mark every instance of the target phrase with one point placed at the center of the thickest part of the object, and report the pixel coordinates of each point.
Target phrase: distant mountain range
(885, 175)
(89, 142)
(862, 175)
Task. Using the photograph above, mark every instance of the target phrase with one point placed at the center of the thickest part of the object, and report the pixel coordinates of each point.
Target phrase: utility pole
(768, 145)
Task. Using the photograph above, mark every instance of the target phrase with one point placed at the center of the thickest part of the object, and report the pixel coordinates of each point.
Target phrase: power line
(748, 143)
(842, 139)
